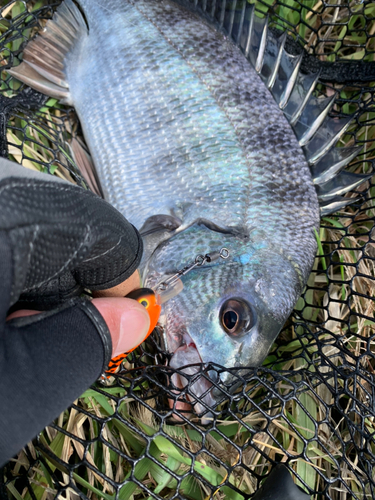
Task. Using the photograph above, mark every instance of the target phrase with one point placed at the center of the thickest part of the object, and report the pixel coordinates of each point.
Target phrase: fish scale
(190, 145)
(197, 98)
(229, 80)
(191, 130)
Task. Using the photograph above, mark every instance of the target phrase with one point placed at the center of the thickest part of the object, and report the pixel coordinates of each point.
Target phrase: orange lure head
(151, 301)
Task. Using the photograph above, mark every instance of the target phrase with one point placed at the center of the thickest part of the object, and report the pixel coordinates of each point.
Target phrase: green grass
(334, 31)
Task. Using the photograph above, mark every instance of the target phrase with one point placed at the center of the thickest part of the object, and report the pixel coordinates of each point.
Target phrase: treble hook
(199, 261)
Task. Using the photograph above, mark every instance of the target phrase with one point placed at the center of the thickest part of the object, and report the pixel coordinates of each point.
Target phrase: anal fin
(86, 166)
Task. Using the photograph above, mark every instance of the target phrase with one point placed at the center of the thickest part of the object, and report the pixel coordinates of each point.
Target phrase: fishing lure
(152, 302)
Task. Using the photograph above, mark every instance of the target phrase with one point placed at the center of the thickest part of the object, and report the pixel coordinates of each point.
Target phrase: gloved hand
(55, 240)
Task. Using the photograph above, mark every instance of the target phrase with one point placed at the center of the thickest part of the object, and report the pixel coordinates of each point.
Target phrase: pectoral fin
(160, 222)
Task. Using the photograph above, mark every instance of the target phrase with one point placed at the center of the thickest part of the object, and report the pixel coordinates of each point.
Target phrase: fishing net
(312, 403)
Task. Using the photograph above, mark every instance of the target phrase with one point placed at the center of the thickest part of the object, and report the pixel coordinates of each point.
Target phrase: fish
(205, 134)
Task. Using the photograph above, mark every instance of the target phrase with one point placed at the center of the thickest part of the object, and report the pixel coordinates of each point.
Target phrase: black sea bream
(201, 146)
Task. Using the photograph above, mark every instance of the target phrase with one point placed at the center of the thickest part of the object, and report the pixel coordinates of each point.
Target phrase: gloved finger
(121, 290)
(21, 313)
(127, 320)
(62, 237)
(47, 361)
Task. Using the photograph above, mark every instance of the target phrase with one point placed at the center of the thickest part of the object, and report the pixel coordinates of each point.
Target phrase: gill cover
(230, 310)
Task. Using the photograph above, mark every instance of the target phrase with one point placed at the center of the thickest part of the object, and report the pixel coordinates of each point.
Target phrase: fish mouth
(193, 382)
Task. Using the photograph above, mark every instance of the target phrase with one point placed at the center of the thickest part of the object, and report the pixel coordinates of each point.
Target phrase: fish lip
(187, 341)
(185, 346)
(198, 375)
(218, 392)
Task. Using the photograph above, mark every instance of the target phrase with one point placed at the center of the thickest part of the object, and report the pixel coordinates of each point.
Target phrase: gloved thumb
(127, 321)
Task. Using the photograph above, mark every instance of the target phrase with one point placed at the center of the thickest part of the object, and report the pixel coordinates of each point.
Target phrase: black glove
(64, 238)
(55, 240)
(279, 485)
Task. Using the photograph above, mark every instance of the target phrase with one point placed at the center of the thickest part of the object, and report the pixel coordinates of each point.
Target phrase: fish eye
(236, 317)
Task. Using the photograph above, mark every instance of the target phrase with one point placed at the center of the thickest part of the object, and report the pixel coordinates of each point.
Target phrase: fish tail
(44, 60)
(317, 132)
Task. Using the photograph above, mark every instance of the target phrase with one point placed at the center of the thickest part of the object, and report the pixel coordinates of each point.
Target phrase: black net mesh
(311, 405)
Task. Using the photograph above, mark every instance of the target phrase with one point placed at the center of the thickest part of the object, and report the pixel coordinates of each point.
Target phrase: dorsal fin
(309, 116)
(340, 184)
(335, 204)
(332, 163)
(317, 132)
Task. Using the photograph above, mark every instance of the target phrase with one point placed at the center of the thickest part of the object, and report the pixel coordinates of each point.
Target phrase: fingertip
(127, 321)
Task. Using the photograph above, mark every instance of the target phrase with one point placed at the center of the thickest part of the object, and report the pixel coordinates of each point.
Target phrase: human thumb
(127, 321)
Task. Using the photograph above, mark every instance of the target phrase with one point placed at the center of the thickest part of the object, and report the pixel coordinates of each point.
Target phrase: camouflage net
(311, 405)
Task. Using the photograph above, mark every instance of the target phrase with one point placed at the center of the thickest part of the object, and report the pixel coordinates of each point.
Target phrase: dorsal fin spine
(335, 204)
(341, 184)
(290, 84)
(250, 32)
(331, 142)
(242, 19)
(262, 47)
(296, 116)
(272, 78)
(323, 171)
(313, 128)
